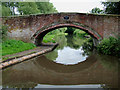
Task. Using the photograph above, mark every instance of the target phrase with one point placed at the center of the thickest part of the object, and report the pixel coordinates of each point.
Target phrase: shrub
(110, 46)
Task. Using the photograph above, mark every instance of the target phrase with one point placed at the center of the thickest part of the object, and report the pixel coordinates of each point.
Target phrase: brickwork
(34, 27)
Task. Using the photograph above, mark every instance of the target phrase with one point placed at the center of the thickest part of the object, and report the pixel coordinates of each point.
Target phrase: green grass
(15, 46)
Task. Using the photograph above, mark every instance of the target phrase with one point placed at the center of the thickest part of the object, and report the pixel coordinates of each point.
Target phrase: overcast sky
(82, 6)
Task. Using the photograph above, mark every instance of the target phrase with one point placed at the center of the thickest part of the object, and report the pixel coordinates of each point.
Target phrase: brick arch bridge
(38, 36)
(33, 28)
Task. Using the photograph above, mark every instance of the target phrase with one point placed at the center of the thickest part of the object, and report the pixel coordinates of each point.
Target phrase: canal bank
(25, 55)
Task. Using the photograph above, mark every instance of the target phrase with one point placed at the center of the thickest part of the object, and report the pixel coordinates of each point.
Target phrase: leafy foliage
(110, 46)
(14, 46)
(46, 7)
(27, 8)
(97, 11)
(112, 7)
(8, 8)
(6, 11)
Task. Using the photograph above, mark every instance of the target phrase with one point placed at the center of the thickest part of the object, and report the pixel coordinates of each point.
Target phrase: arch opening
(38, 36)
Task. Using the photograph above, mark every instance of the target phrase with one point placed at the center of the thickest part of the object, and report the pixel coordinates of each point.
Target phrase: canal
(68, 66)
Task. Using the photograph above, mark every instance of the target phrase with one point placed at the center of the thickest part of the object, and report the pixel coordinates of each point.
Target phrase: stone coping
(59, 13)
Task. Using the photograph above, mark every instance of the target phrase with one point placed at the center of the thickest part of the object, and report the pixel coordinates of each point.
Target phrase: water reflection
(40, 70)
(69, 51)
(69, 56)
(109, 62)
(96, 71)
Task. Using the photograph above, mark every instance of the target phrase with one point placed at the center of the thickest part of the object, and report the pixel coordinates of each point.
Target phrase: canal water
(68, 66)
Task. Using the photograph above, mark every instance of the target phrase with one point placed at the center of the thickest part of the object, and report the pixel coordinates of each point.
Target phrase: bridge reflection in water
(40, 70)
(94, 71)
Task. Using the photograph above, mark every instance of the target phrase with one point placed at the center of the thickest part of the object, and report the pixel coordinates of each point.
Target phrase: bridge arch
(38, 36)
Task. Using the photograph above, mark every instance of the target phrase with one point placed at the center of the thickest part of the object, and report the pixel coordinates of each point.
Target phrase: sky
(82, 6)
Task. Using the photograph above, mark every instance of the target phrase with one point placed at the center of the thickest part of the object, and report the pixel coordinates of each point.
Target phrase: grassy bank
(15, 46)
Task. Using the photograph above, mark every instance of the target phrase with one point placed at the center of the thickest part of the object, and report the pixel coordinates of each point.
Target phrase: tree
(11, 6)
(25, 8)
(6, 11)
(112, 7)
(97, 11)
(46, 7)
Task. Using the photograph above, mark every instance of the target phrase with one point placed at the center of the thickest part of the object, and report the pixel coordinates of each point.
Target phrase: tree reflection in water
(96, 69)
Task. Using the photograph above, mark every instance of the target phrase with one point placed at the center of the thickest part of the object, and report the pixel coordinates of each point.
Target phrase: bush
(14, 46)
(110, 46)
